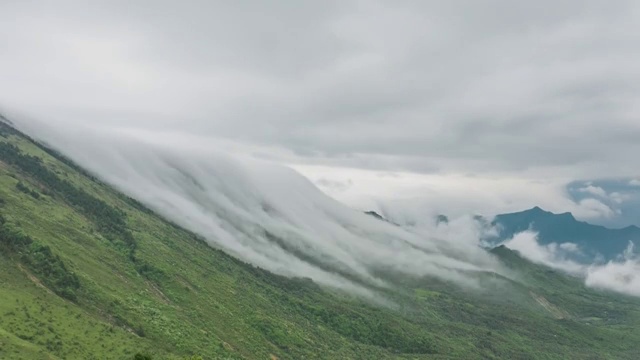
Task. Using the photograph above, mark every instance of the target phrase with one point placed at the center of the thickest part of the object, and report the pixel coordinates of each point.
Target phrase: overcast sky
(453, 106)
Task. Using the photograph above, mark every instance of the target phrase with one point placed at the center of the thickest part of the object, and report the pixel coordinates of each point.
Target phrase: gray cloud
(479, 86)
(544, 91)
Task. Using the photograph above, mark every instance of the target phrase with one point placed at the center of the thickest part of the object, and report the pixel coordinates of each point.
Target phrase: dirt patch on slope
(35, 280)
(552, 309)
(158, 293)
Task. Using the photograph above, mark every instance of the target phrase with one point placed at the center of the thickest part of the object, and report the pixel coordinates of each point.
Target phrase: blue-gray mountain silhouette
(563, 228)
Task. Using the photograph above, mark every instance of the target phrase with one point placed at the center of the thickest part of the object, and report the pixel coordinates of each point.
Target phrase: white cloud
(428, 195)
(333, 185)
(552, 255)
(570, 247)
(634, 182)
(233, 201)
(622, 275)
(594, 190)
(593, 209)
(618, 197)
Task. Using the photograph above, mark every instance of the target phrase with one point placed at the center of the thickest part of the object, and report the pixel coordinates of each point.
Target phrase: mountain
(87, 272)
(564, 228)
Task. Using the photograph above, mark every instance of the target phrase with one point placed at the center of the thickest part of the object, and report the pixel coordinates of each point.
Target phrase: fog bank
(264, 213)
(620, 275)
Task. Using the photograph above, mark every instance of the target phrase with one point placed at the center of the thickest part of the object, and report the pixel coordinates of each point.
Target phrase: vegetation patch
(110, 221)
(39, 258)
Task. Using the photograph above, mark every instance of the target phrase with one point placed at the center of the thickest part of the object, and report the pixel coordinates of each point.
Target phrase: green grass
(166, 293)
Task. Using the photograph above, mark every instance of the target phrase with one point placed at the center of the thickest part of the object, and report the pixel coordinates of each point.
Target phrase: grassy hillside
(87, 273)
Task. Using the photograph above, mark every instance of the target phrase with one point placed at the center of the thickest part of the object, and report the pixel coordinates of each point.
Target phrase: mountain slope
(87, 272)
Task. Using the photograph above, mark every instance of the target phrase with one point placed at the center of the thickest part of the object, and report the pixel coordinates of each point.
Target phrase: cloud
(612, 202)
(264, 213)
(381, 85)
(453, 194)
(594, 190)
(570, 247)
(552, 255)
(333, 185)
(591, 208)
(615, 197)
(448, 92)
(619, 198)
(621, 275)
(634, 182)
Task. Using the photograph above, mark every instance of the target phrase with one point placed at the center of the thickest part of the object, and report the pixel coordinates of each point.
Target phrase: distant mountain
(563, 228)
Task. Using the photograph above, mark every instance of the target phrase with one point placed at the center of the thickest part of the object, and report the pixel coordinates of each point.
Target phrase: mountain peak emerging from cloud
(595, 240)
(538, 214)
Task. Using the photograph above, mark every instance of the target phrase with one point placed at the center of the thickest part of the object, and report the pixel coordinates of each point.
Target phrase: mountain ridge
(567, 214)
(596, 240)
(565, 228)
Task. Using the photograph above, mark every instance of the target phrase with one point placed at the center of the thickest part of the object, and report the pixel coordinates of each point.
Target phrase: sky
(419, 107)
(621, 196)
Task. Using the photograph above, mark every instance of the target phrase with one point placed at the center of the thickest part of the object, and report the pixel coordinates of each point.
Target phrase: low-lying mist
(264, 213)
(620, 275)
